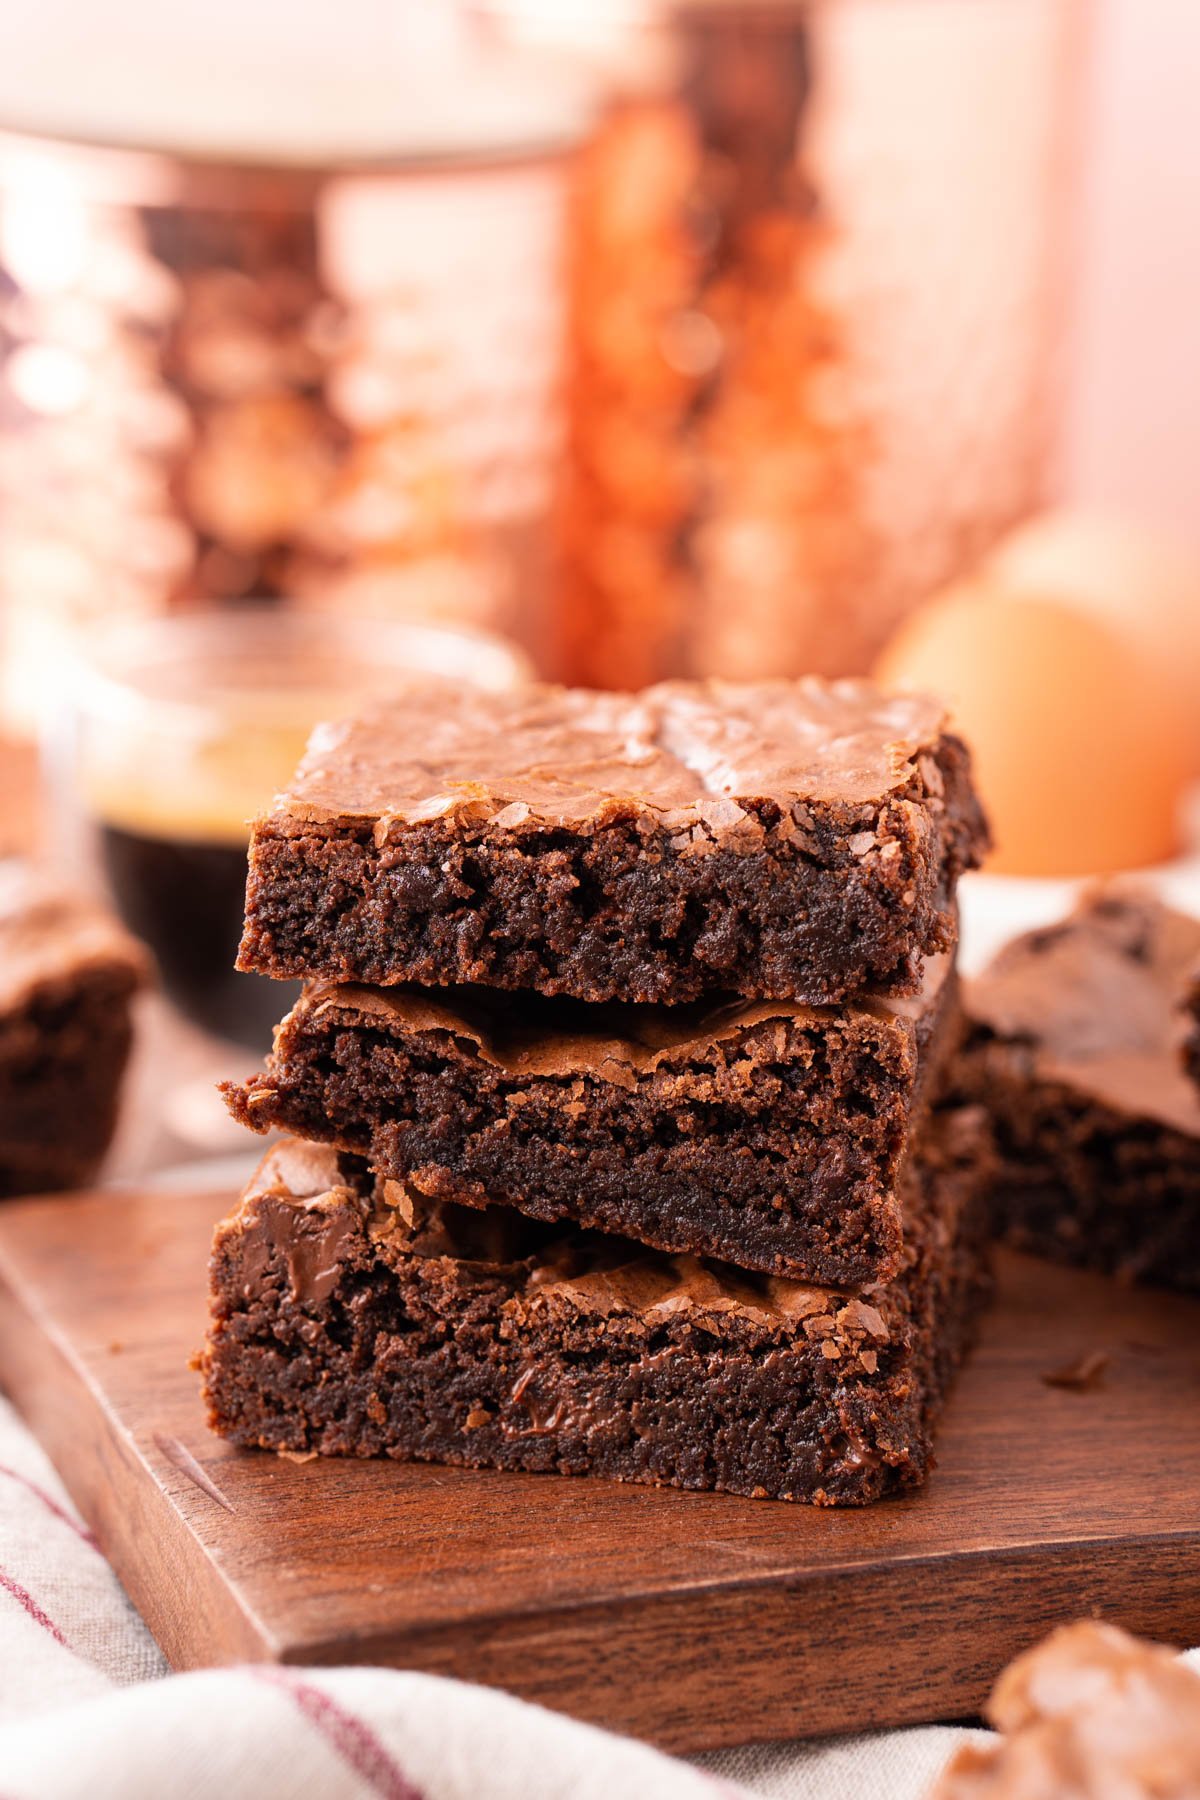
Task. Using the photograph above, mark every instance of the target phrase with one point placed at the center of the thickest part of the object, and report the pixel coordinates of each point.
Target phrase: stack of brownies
(618, 1142)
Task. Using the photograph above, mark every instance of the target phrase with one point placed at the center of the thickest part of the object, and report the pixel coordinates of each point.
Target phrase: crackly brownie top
(1096, 998)
(49, 934)
(1090, 1712)
(683, 754)
(529, 1035)
(305, 1203)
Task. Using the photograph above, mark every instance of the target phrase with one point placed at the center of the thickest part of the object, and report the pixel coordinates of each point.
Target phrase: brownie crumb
(1083, 1375)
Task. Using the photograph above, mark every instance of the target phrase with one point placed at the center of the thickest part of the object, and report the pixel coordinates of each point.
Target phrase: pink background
(1131, 436)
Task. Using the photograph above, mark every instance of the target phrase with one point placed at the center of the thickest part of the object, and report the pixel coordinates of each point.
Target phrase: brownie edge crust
(357, 1322)
(781, 840)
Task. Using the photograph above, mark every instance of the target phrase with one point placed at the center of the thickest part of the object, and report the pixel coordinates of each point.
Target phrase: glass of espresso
(179, 729)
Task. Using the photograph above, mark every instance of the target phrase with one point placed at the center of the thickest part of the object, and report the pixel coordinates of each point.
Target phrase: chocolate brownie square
(1073, 1045)
(762, 1132)
(778, 840)
(68, 975)
(355, 1318)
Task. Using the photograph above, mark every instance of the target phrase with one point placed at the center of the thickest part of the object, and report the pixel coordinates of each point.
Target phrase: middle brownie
(767, 1134)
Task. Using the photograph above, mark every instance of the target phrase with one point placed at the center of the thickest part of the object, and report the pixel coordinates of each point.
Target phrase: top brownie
(779, 840)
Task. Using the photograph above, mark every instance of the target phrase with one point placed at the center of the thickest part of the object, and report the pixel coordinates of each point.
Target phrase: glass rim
(108, 171)
(111, 666)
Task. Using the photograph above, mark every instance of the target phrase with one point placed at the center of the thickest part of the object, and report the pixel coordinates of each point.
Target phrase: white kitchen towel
(88, 1711)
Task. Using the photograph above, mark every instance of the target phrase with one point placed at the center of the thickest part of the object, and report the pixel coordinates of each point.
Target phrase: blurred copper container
(817, 254)
(335, 378)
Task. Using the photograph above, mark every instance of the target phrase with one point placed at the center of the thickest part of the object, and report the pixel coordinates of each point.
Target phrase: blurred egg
(1143, 582)
(1080, 757)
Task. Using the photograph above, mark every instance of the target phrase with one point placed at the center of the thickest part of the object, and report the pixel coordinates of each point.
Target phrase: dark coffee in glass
(185, 900)
(184, 729)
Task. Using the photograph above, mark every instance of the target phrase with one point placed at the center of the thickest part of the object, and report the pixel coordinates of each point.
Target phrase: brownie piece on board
(1190, 1039)
(359, 1320)
(1090, 1714)
(763, 1132)
(68, 975)
(780, 840)
(1073, 1046)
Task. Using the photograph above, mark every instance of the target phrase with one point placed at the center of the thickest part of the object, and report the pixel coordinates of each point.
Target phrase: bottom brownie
(357, 1322)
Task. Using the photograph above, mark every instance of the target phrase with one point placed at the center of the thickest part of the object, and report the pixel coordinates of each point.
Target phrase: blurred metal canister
(817, 260)
(330, 375)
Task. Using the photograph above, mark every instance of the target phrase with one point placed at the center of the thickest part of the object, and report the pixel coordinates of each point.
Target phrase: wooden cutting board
(691, 1619)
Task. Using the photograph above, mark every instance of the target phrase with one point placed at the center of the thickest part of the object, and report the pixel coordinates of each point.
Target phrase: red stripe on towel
(50, 1503)
(350, 1736)
(25, 1599)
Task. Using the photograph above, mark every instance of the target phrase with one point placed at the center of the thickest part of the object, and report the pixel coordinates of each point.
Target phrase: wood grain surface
(693, 1620)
